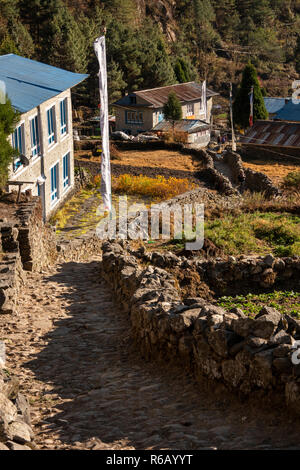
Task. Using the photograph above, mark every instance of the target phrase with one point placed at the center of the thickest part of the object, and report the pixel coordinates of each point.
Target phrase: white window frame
(18, 159)
(37, 147)
(53, 202)
(53, 135)
(190, 109)
(64, 129)
(68, 178)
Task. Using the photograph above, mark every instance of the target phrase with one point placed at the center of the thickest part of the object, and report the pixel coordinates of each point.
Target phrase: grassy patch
(251, 304)
(259, 233)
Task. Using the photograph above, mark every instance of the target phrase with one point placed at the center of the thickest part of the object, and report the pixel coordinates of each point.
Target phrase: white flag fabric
(100, 50)
(204, 99)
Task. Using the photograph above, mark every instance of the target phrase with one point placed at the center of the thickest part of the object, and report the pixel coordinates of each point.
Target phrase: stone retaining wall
(232, 276)
(15, 423)
(36, 240)
(252, 357)
(78, 249)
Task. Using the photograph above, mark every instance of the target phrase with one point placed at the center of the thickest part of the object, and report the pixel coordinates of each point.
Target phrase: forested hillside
(157, 42)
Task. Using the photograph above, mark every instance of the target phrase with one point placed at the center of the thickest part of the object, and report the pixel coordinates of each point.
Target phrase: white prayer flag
(204, 99)
(100, 50)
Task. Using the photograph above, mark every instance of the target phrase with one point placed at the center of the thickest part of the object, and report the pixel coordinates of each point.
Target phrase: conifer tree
(241, 105)
(172, 109)
(8, 120)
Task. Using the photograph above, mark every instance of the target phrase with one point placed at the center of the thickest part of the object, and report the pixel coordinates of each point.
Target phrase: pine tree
(8, 120)
(13, 33)
(182, 71)
(8, 46)
(241, 106)
(172, 109)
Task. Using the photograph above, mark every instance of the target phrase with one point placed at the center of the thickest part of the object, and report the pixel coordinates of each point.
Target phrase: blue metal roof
(273, 105)
(290, 112)
(29, 83)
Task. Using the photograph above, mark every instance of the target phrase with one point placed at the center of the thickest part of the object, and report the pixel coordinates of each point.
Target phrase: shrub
(291, 182)
(158, 188)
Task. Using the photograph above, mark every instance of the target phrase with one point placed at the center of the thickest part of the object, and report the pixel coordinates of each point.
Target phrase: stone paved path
(89, 389)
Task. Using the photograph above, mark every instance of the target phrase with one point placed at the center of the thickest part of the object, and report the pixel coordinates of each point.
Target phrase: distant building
(44, 134)
(273, 138)
(274, 105)
(191, 131)
(141, 111)
(290, 112)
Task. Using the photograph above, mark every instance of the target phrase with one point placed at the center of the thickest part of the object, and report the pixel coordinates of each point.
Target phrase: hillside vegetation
(153, 43)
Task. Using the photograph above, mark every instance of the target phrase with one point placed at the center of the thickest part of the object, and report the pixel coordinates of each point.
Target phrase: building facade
(44, 134)
(141, 111)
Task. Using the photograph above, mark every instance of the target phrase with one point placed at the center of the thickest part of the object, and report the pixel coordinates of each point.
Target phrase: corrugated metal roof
(29, 83)
(157, 97)
(290, 112)
(273, 105)
(185, 125)
(273, 133)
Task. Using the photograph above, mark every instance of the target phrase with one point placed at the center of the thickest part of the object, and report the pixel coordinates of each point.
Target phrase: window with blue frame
(66, 171)
(134, 117)
(54, 183)
(63, 116)
(51, 125)
(18, 143)
(35, 136)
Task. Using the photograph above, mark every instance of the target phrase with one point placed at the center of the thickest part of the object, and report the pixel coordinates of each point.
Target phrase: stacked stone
(15, 429)
(246, 354)
(259, 182)
(232, 275)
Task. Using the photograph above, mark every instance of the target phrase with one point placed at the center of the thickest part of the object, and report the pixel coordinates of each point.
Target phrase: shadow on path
(110, 399)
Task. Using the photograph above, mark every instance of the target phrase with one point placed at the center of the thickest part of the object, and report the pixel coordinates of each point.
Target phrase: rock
(200, 325)
(182, 321)
(268, 278)
(14, 446)
(198, 301)
(292, 396)
(2, 354)
(293, 325)
(3, 446)
(221, 341)
(269, 260)
(8, 411)
(283, 350)
(255, 342)
(283, 365)
(282, 337)
(233, 372)
(266, 322)
(185, 345)
(11, 388)
(239, 312)
(19, 432)
(23, 407)
(261, 369)
(243, 326)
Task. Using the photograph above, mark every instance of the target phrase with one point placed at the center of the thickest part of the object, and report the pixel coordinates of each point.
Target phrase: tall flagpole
(100, 50)
(251, 106)
(231, 119)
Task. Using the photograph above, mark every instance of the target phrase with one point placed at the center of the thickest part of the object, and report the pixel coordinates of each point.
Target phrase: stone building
(142, 110)
(44, 135)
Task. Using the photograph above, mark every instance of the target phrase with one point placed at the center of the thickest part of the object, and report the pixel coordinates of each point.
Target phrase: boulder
(233, 372)
(182, 321)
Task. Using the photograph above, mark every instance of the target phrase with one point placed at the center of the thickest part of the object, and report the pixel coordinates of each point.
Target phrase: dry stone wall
(15, 422)
(232, 275)
(252, 357)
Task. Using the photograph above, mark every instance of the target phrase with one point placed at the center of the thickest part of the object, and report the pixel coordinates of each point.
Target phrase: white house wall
(40, 166)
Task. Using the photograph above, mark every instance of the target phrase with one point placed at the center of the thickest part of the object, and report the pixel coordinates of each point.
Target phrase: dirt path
(89, 389)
